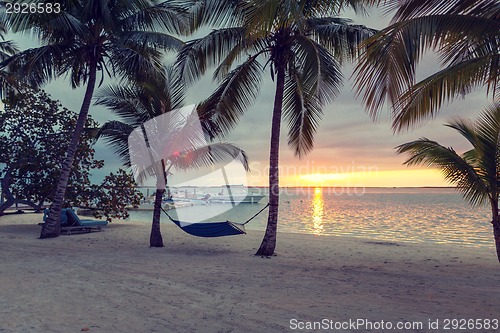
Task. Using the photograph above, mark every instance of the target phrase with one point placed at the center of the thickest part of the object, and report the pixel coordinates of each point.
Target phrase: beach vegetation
(475, 173)
(112, 197)
(34, 132)
(300, 44)
(89, 41)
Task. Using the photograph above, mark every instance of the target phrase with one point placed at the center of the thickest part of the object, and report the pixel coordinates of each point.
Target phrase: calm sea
(438, 215)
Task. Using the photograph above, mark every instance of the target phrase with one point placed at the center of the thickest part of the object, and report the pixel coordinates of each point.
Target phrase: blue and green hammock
(213, 229)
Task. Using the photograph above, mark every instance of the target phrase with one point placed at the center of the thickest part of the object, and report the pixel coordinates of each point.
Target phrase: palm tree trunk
(155, 239)
(269, 242)
(496, 234)
(496, 226)
(52, 226)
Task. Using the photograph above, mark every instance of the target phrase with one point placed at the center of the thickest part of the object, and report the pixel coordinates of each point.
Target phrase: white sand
(111, 281)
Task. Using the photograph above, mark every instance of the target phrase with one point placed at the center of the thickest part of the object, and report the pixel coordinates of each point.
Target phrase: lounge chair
(70, 222)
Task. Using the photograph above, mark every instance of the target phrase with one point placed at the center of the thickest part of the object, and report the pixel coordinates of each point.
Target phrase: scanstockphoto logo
(175, 141)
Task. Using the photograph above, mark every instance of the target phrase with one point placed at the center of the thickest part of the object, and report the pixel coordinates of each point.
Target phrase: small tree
(34, 134)
(113, 196)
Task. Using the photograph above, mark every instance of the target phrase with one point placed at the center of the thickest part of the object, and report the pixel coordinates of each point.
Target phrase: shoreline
(112, 281)
(487, 247)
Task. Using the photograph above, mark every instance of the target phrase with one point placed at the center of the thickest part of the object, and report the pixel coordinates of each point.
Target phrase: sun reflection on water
(318, 211)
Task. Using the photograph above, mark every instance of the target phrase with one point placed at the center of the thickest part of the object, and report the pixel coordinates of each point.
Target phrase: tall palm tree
(465, 35)
(476, 173)
(300, 44)
(87, 37)
(144, 102)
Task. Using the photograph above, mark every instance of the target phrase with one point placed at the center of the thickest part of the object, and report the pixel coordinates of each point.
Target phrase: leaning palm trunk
(269, 242)
(52, 226)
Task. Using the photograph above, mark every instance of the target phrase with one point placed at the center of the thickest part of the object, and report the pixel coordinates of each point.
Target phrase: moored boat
(248, 198)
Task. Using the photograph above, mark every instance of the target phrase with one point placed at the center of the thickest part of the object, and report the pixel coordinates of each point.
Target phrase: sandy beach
(111, 281)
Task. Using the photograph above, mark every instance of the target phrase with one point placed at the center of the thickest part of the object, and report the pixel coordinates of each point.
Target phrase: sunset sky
(350, 148)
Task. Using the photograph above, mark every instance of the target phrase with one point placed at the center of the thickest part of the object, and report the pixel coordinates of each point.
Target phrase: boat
(238, 198)
(181, 198)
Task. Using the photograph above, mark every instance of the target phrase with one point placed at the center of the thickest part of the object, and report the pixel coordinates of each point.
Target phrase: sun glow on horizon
(323, 177)
(371, 178)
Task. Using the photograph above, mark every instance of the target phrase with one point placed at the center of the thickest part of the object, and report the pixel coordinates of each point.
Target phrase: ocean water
(437, 215)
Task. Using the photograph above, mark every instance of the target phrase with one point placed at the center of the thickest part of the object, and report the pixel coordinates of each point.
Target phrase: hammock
(213, 229)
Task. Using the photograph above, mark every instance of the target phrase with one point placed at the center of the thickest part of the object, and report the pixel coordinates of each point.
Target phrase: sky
(350, 149)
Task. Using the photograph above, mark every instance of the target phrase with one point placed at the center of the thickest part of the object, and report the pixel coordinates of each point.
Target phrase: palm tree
(465, 35)
(144, 102)
(476, 173)
(7, 49)
(87, 37)
(301, 46)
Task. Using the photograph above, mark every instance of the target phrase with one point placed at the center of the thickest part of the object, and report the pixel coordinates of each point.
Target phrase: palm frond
(339, 36)
(234, 95)
(100, 10)
(149, 135)
(487, 128)
(197, 55)
(217, 13)
(479, 41)
(124, 101)
(209, 155)
(303, 112)
(413, 8)
(455, 169)
(7, 49)
(467, 129)
(387, 68)
(319, 69)
(38, 65)
(174, 91)
(54, 28)
(249, 45)
(136, 62)
(424, 99)
(152, 40)
(263, 16)
(314, 82)
(116, 134)
(171, 16)
(488, 124)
